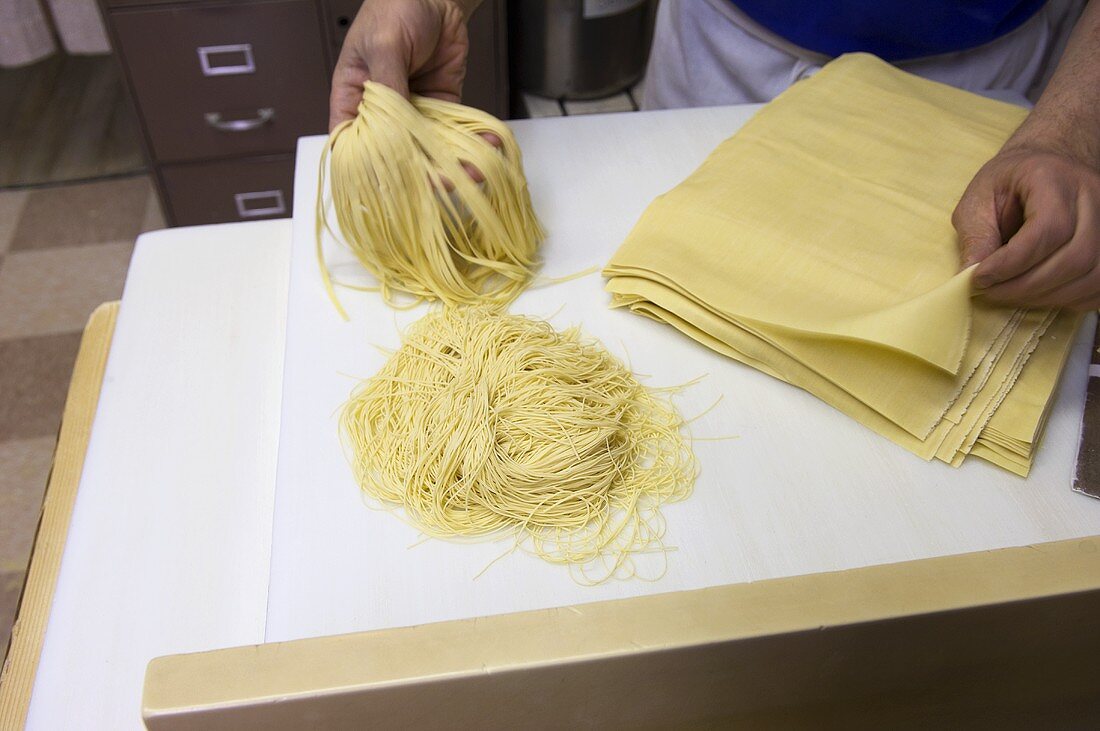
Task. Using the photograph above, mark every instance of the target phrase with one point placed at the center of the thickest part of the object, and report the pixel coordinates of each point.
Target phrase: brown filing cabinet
(224, 88)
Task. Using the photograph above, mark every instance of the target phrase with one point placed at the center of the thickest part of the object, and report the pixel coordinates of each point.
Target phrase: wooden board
(29, 628)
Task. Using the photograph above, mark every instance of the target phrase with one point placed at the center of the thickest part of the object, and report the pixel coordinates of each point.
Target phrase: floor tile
(55, 290)
(34, 379)
(77, 215)
(11, 208)
(11, 586)
(24, 469)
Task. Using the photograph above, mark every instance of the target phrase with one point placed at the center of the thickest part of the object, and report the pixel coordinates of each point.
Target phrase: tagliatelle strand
(410, 212)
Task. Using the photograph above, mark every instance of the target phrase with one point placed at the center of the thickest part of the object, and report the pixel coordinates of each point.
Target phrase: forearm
(1066, 119)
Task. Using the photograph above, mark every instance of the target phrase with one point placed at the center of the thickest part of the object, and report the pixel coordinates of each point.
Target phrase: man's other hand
(1030, 219)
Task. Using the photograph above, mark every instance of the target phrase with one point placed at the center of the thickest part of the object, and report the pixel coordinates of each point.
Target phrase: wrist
(1057, 136)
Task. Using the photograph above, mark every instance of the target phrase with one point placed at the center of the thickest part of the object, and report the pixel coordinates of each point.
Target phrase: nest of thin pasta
(484, 423)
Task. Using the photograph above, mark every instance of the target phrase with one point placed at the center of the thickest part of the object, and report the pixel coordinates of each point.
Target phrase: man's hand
(1031, 218)
(411, 46)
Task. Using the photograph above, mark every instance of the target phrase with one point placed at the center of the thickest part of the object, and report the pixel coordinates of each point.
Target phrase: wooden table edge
(29, 629)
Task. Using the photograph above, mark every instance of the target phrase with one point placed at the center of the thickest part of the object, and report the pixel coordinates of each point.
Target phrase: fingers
(347, 92)
(417, 46)
(403, 44)
(1063, 278)
(387, 60)
(1070, 275)
(975, 220)
(375, 49)
(439, 73)
(471, 170)
(1080, 293)
(1036, 259)
(1050, 223)
(1045, 208)
(374, 64)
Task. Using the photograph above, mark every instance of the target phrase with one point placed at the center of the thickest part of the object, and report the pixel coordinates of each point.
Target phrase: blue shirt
(891, 29)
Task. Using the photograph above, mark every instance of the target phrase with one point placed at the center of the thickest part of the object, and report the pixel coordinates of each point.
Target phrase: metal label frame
(243, 199)
(208, 69)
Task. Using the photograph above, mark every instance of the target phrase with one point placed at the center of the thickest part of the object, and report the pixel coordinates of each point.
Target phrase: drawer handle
(263, 116)
(239, 52)
(276, 206)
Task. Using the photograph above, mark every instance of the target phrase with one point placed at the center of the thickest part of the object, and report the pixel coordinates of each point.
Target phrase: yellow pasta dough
(411, 213)
(485, 423)
(816, 245)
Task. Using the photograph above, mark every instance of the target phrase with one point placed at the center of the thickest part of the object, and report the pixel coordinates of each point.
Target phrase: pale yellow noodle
(485, 423)
(386, 168)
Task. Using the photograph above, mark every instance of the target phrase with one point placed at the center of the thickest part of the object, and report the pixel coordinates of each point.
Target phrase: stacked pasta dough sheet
(816, 245)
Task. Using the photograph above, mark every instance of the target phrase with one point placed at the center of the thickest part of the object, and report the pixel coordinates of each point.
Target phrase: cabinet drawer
(214, 81)
(229, 190)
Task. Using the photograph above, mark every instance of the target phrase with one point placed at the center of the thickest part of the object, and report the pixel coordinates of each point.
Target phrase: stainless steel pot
(579, 49)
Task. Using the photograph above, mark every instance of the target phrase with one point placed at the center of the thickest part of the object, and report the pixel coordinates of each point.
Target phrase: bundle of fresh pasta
(407, 207)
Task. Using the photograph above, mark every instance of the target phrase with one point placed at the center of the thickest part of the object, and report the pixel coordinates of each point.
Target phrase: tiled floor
(63, 250)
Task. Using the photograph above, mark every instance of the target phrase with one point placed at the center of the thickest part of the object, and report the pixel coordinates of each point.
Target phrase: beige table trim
(1007, 635)
(29, 629)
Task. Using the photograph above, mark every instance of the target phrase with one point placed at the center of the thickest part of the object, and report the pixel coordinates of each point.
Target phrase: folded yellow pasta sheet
(816, 245)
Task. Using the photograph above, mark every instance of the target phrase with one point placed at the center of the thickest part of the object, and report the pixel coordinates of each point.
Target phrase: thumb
(388, 64)
(352, 73)
(976, 222)
(347, 92)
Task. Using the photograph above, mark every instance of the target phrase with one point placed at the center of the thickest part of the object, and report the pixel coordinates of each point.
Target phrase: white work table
(169, 545)
(178, 523)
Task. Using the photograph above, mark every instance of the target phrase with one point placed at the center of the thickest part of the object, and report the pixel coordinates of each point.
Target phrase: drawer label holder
(251, 205)
(226, 60)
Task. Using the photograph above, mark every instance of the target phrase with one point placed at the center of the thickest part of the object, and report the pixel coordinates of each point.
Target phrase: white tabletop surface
(170, 540)
(802, 489)
(170, 546)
